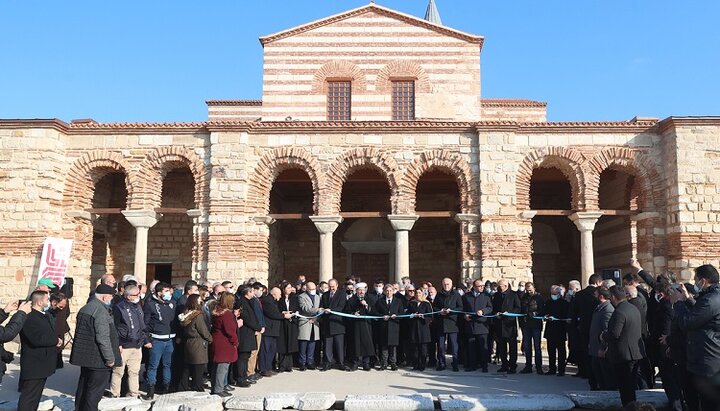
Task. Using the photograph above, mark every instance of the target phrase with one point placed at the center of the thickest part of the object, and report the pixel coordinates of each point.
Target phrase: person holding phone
(11, 330)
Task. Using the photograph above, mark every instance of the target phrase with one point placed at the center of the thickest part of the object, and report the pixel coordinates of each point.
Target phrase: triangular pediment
(373, 8)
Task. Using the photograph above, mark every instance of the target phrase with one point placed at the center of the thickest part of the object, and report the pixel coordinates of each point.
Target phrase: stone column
(585, 222)
(142, 220)
(402, 224)
(469, 245)
(326, 225)
(200, 237)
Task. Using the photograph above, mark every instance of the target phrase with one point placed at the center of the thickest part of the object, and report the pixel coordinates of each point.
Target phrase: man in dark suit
(583, 307)
(446, 323)
(623, 337)
(388, 330)
(39, 351)
(273, 321)
(556, 311)
(601, 370)
(479, 303)
(506, 301)
(333, 327)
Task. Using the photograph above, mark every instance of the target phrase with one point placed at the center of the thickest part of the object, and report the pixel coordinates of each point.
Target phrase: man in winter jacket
(532, 306)
(479, 303)
(702, 324)
(11, 330)
(506, 301)
(95, 348)
(39, 345)
(159, 313)
(446, 323)
(130, 324)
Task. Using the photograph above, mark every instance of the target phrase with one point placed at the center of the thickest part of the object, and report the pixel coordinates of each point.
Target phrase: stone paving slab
(243, 403)
(118, 404)
(315, 401)
(399, 402)
(506, 402)
(609, 400)
(278, 401)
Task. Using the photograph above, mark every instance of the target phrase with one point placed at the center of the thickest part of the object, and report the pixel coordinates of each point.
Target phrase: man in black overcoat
(479, 303)
(583, 307)
(362, 328)
(556, 313)
(446, 323)
(273, 322)
(388, 329)
(332, 327)
(39, 345)
(506, 301)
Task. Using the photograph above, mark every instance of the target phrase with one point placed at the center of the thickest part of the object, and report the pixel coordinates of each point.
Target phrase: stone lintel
(469, 218)
(141, 218)
(585, 220)
(267, 220)
(528, 214)
(402, 222)
(326, 224)
(645, 215)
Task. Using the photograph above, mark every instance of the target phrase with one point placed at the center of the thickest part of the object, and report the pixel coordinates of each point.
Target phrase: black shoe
(346, 368)
(150, 395)
(526, 370)
(108, 394)
(311, 367)
(302, 368)
(456, 368)
(539, 371)
(551, 372)
(229, 387)
(503, 369)
(512, 370)
(325, 367)
(366, 368)
(440, 368)
(244, 384)
(224, 394)
(393, 367)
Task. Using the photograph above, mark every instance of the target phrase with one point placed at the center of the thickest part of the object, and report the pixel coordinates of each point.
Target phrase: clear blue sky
(160, 60)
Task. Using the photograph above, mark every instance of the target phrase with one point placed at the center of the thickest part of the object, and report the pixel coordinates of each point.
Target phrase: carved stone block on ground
(251, 402)
(278, 401)
(608, 400)
(399, 402)
(117, 404)
(172, 402)
(505, 402)
(315, 401)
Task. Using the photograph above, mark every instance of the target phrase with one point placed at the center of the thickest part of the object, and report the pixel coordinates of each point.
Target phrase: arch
(271, 164)
(156, 164)
(339, 69)
(402, 69)
(351, 160)
(444, 160)
(632, 162)
(567, 160)
(87, 170)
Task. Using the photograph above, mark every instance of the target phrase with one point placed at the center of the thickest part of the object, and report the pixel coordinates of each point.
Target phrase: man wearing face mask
(39, 344)
(701, 322)
(521, 289)
(555, 331)
(129, 321)
(332, 327)
(308, 329)
(96, 348)
(159, 312)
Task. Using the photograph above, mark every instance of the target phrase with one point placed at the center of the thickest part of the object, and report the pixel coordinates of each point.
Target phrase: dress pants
(252, 361)
(603, 374)
(268, 349)
(241, 366)
(452, 341)
(531, 342)
(671, 383)
(336, 344)
(626, 381)
(388, 355)
(192, 375)
(477, 351)
(708, 391)
(556, 352)
(420, 353)
(307, 352)
(30, 394)
(91, 387)
(507, 351)
(131, 358)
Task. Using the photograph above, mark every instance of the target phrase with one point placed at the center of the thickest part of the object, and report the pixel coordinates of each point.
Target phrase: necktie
(388, 301)
(332, 295)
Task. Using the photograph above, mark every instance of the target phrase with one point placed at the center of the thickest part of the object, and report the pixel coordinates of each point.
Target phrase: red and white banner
(55, 260)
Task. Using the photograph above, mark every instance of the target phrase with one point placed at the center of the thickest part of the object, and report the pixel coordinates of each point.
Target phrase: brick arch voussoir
(402, 69)
(570, 162)
(352, 160)
(270, 165)
(87, 170)
(156, 165)
(629, 161)
(442, 160)
(339, 69)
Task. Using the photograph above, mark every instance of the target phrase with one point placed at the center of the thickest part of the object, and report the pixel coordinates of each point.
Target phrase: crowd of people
(212, 336)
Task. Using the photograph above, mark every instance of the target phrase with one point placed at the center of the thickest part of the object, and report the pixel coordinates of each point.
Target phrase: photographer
(11, 330)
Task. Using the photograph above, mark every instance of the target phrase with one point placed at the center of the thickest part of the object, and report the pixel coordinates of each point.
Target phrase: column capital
(585, 220)
(141, 218)
(267, 220)
(467, 218)
(402, 222)
(527, 214)
(326, 224)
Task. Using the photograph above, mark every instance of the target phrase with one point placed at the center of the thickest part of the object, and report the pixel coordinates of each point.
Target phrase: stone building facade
(416, 175)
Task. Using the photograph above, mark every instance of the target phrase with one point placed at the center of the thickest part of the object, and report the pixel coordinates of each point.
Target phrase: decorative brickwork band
(402, 69)
(565, 159)
(445, 161)
(346, 164)
(154, 168)
(339, 70)
(274, 162)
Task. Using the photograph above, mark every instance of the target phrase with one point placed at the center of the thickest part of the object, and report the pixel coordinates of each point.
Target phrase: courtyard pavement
(342, 383)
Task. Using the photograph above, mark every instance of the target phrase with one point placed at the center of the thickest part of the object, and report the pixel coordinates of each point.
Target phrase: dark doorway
(160, 272)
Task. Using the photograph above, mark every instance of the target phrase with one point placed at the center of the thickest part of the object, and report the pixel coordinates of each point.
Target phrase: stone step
(399, 402)
(610, 400)
(505, 402)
